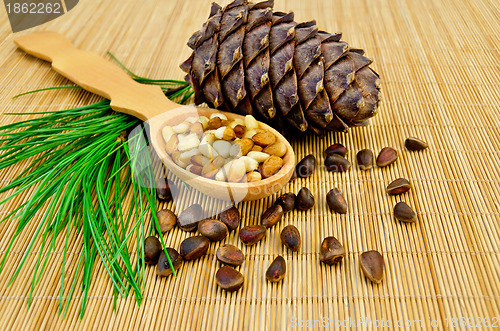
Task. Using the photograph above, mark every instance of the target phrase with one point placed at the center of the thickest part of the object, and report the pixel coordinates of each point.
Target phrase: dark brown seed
(214, 123)
(189, 218)
(272, 216)
(164, 189)
(230, 255)
(338, 149)
(290, 237)
(398, 186)
(306, 166)
(332, 251)
(365, 159)
(304, 200)
(372, 265)
(294, 175)
(387, 156)
(239, 130)
(152, 250)
(231, 217)
(213, 229)
(252, 234)
(163, 268)
(415, 144)
(404, 213)
(194, 247)
(337, 163)
(276, 270)
(188, 228)
(166, 220)
(229, 279)
(286, 201)
(336, 201)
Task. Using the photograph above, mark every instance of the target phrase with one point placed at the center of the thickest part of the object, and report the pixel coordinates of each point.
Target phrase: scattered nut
(372, 265)
(332, 251)
(387, 156)
(290, 237)
(272, 216)
(195, 247)
(230, 255)
(166, 220)
(163, 267)
(214, 230)
(231, 217)
(286, 201)
(277, 270)
(229, 279)
(336, 201)
(252, 234)
(152, 250)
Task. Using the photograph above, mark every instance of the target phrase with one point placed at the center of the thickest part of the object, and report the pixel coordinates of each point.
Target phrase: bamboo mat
(438, 60)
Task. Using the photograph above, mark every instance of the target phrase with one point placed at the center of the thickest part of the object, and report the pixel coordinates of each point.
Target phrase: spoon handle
(97, 75)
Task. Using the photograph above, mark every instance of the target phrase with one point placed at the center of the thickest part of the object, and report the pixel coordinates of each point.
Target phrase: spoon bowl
(148, 103)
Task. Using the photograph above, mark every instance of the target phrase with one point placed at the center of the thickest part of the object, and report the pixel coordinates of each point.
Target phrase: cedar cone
(251, 60)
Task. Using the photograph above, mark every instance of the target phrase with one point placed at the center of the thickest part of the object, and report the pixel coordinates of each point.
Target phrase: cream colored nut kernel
(172, 144)
(175, 157)
(278, 149)
(167, 132)
(236, 171)
(264, 139)
(199, 160)
(208, 151)
(250, 163)
(243, 147)
(251, 122)
(182, 127)
(222, 173)
(222, 147)
(271, 166)
(208, 138)
(258, 156)
(185, 157)
(256, 148)
(235, 150)
(196, 128)
(204, 121)
(219, 115)
(210, 169)
(249, 133)
(228, 134)
(191, 119)
(189, 142)
(237, 121)
(219, 133)
(253, 176)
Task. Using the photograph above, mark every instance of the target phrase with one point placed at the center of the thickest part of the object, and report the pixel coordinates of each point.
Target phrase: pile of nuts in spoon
(217, 148)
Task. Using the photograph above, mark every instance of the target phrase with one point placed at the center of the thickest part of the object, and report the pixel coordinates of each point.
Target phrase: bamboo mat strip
(440, 77)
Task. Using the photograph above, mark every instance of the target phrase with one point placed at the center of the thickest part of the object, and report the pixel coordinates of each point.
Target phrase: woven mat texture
(438, 61)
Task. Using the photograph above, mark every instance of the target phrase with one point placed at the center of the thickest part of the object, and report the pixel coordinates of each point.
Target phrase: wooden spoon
(148, 103)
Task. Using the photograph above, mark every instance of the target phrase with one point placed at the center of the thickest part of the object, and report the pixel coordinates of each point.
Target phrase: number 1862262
(33, 8)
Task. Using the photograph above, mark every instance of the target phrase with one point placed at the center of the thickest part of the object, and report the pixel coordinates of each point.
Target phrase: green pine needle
(80, 173)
